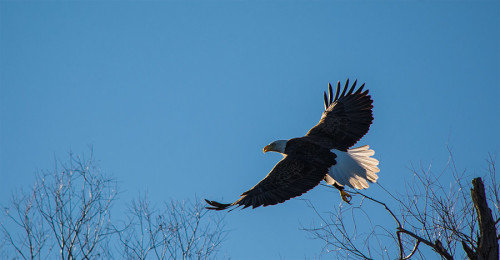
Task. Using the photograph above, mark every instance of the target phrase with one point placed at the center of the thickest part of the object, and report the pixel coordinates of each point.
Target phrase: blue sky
(178, 98)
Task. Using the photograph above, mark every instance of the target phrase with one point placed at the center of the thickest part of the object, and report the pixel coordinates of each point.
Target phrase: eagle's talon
(345, 196)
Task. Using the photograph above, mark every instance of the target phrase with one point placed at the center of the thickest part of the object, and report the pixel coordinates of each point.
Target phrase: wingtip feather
(326, 100)
(359, 89)
(337, 92)
(216, 205)
(352, 88)
(330, 93)
(345, 88)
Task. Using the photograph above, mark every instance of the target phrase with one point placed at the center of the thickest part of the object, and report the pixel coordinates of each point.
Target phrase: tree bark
(487, 248)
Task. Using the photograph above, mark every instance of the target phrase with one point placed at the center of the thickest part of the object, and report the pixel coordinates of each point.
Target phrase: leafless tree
(180, 230)
(66, 213)
(452, 220)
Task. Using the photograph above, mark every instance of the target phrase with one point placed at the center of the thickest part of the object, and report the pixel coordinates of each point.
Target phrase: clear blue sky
(178, 98)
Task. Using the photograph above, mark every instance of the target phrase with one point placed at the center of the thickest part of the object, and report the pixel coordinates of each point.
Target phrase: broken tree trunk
(487, 247)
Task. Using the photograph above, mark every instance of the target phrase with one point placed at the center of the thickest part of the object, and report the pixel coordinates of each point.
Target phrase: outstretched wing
(346, 119)
(290, 178)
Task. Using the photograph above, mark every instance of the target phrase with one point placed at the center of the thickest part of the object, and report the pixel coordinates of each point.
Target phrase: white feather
(354, 168)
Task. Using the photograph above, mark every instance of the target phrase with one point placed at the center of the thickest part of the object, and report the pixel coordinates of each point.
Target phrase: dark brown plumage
(274, 188)
(347, 118)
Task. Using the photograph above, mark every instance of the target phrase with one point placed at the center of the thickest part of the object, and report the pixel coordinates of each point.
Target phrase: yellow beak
(267, 148)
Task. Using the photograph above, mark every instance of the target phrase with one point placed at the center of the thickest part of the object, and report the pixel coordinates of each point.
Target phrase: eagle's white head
(276, 146)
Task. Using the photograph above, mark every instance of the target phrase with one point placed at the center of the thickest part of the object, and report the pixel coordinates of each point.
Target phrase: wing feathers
(330, 92)
(290, 178)
(326, 100)
(360, 89)
(346, 119)
(345, 88)
(216, 205)
(352, 88)
(338, 91)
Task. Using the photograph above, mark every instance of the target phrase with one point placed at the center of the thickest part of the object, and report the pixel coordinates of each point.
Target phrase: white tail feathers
(354, 168)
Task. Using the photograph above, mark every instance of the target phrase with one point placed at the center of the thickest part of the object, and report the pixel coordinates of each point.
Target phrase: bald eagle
(322, 154)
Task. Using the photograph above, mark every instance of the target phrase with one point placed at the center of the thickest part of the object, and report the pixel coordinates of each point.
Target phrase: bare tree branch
(73, 201)
(435, 213)
(181, 230)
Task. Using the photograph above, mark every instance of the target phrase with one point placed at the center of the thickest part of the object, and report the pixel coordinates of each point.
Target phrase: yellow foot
(345, 196)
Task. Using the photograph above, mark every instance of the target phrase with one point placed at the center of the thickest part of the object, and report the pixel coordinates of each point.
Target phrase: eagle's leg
(345, 196)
